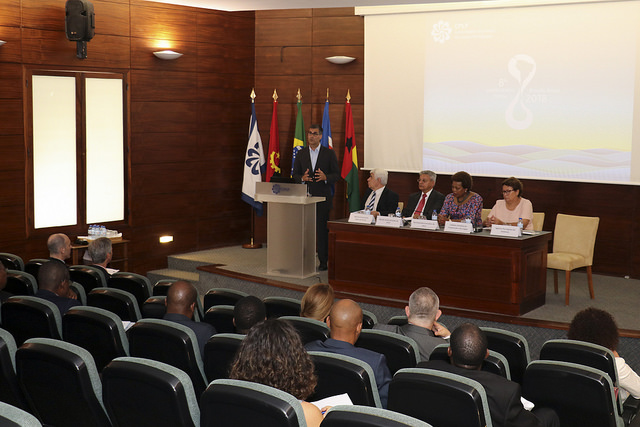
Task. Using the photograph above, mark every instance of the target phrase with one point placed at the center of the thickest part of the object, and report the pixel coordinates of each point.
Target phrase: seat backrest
(11, 261)
(154, 307)
(31, 317)
(369, 319)
(61, 383)
(360, 416)
(281, 306)
(10, 391)
(580, 395)
(440, 398)
(11, 416)
(98, 331)
(170, 343)
(219, 353)
(139, 286)
(485, 214)
(222, 296)
(308, 329)
(161, 287)
(117, 301)
(33, 266)
(513, 346)
(139, 392)
(78, 289)
(338, 374)
(576, 235)
(398, 320)
(221, 318)
(494, 362)
(241, 403)
(538, 221)
(400, 351)
(21, 283)
(88, 276)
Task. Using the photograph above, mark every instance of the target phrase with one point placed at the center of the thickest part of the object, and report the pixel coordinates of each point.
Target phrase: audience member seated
(101, 252)
(425, 201)
(272, 354)
(512, 207)
(345, 323)
(181, 304)
(247, 312)
(4, 295)
(599, 327)
(53, 285)
(467, 350)
(317, 302)
(461, 203)
(379, 199)
(59, 247)
(422, 312)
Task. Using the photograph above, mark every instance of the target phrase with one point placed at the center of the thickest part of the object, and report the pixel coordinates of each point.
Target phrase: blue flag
(254, 164)
(326, 140)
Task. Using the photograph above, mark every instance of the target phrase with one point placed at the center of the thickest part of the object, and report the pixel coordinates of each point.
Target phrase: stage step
(172, 273)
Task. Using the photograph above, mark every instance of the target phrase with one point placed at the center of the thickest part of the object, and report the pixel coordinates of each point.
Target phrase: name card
(360, 218)
(389, 221)
(458, 227)
(424, 224)
(505, 230)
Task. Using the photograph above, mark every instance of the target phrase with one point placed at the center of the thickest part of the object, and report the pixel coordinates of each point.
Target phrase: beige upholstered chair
(485, 214)
(538, 221)
(573, 242)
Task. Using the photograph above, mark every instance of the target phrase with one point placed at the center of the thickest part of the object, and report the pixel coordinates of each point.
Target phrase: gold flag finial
(299, 96)
(275, 95)
(348, 96)
(327, 94)
(253, 95)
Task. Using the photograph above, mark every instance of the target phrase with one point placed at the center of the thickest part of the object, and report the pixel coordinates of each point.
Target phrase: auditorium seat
(309, 329)
(170, 343)
(30, 317)
(366, 416)
(11, 416)
(369, 319)
(61, 383)
(11, 261)
(495, 362)
(10, 391)
(88, 276)
(580, 395)
(143, 392)
(442, 399)
(154, 307)
(219, 353)
(241, 403)
(338, 374)
(139, 286)
(222, 296)
(513, 346)
(221, 318)
(161, 287)
(21, 283)
(33, 266)
(117, 301)
(281, 306)
(400, 351)
(78, 289)
(398, 320)
(98, 331)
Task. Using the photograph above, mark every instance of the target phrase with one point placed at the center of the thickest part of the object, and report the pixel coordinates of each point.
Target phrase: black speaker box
(80, 21)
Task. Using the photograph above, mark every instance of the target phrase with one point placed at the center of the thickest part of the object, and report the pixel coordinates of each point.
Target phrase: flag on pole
(350, 161)
(326, 140)
(254, 162)
(273, 161)
(299, 139)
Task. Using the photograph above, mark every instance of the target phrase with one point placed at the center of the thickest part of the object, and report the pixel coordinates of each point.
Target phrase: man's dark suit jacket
(503, 395)
(327, 162)
(387, 203)
(434, 202)
(63, 303)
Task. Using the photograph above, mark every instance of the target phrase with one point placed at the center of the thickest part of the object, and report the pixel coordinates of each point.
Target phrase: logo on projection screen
(441, 31)
(522, 68)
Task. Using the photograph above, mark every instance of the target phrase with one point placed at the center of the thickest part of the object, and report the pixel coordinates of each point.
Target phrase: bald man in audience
(53, 286)
(247, 312)
(59, 246)
(422, 312)
(345, 322)
(181, 304)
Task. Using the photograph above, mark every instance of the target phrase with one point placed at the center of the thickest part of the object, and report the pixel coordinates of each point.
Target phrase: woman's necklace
(462, 199)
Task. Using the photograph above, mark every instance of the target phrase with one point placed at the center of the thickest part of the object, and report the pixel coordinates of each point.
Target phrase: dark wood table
(469, 271)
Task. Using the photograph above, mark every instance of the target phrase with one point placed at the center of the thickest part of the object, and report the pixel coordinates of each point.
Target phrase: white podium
(291, 229)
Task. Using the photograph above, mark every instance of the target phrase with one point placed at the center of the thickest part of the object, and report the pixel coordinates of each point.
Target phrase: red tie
(421, 204)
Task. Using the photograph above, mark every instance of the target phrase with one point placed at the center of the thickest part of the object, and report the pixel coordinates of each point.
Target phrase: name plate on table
(505, 230)
(424, 224)
(360, 218)
(458, 227)
(389, 221)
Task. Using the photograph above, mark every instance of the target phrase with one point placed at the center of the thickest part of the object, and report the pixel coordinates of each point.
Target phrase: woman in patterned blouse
(462, 203)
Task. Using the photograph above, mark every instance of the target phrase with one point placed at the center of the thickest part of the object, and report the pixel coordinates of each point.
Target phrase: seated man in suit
(422, 312)
(425, 201)
(101, 252)
(467, 350)
(181, 303)
(53, 286)
(379, 199)
(59, 246)
(345, 322)
(247, 312)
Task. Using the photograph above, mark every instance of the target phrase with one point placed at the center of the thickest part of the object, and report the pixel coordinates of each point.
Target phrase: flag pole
(252, 244)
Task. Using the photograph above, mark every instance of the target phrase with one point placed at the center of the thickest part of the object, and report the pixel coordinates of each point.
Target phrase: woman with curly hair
(317, 302)
(272, 354)
(599, 327)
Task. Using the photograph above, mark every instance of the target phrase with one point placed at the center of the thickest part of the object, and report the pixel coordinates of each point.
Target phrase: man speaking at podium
(317, 167)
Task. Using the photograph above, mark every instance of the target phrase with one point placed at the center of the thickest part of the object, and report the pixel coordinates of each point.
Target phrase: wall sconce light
(167, 54)
(340, 59)
(2, 42)
(166, 239)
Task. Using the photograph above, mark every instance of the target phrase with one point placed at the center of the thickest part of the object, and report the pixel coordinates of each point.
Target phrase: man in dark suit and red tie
(317, 167)
(425, 201)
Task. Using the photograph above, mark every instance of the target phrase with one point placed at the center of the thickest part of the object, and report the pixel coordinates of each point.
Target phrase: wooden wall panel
(211, 87)
(150, 179)
(11, 51)
(12, 155)
(177, 23)
(338, 30)
(220, 27)
(283, 60)
(283, 32)
(216, 58)
(11, 113)
(163, 117)
(163, 85)
(161, 148)
(10, 81)
(10, 13)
